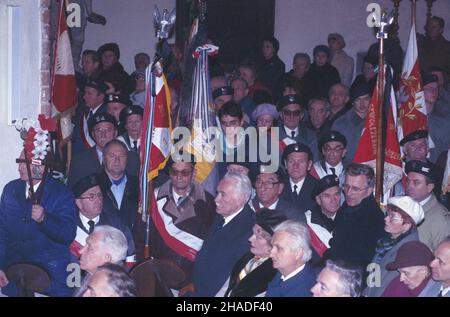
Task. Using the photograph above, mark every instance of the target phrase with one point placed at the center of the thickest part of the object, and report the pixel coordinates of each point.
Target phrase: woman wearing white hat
(401, 220)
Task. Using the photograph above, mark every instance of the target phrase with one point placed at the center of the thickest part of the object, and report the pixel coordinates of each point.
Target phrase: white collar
(271, 207)
(423, 202)
(299, 184)
(338, 168)
(289, 131)
(227, 219)
(295, 272)
(85, 220)
(445, 290)
(27, 188)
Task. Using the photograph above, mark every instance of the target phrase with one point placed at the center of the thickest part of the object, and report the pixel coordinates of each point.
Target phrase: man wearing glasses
(89, 200)
(359, 222)
(183, 216)
(292, 111)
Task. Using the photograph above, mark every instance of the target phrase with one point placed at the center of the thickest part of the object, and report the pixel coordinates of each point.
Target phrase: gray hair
(350, 278)
(114, 241)
(300, 238)
(243, 184)
(356, 169)
(320, 99)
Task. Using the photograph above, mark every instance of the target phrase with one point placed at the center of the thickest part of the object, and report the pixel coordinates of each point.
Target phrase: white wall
(302, 24)
(129, 24)
(10, 142)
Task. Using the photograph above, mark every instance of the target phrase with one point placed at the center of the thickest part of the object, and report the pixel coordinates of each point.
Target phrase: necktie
(180, 200)
(333, 170)
(295, 189)
(134, 148)
(90, 114)
(91, 224)
(219, 225)
(293, 134)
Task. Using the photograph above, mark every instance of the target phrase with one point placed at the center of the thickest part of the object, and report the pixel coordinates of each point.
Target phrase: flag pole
(413, 12)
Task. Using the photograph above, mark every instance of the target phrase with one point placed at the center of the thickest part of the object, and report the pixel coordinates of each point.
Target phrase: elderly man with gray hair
(290, 254)
(227, 240)
(104, 245)
(338, 279)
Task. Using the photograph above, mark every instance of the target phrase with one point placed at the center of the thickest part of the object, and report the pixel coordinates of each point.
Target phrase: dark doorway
(236, 26)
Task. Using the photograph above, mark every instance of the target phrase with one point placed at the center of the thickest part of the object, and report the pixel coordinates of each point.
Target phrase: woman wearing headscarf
(253, 272)
(401, 220)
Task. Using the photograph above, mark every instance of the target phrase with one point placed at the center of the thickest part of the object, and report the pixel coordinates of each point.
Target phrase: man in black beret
(103, 129)
(292, 109)
(415, 145)
(333, 147)
(131, 123)
(320, 219)
(352, 122)
(221, 96)
(421, 180)
(269, 185)
(115, 103)
(94, 102)
(297, 159)
(89, 200)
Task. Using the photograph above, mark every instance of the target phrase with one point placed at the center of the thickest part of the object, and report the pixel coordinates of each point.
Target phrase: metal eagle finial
(163, 23)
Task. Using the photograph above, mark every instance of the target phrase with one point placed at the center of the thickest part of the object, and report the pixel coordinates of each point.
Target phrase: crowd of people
(308, 227)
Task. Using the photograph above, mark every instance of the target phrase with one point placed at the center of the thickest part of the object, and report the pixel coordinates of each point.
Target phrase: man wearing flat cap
(297, 159)
(421, 180)
(252, 273)
(320, 218)
(89, 200)
(269, 185)
(352, 122)
(112, 70)
(94, 102)
(412, 262)
(103, 129)
(292, 109)
(333, 146)
(322, 75)
(339, 58)
(131, 121)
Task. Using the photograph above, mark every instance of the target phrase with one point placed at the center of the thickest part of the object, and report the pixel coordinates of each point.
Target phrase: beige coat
(436, 225)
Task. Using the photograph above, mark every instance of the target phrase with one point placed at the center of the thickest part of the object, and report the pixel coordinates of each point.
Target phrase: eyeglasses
(289, 113)
(92, 196)
(268, 185)
(103, 130)
(184, 173)
(348, 188)
(393, 218)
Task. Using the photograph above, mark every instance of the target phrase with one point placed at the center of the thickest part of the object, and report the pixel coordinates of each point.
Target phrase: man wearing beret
(292, 109)
(269, 185)
(115, 103)
(112, 70)
(421, 180)
(221, 96)
(297, 159)
(320, 219)
(359, 223)
(102, 128)
(89, 200)
(94, 95)
(131, 121)
(352, 122)
(333, 147)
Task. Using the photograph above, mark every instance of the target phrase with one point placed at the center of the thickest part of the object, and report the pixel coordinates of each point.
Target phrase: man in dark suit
(290, 255)
(269, 185)
(297, 190)
(89, 200)
(227, 240)
(103, 128)
(120, 189)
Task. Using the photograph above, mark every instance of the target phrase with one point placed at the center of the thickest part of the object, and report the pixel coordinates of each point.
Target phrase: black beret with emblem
(97, 84)
(119, 98)
(330, 136)
(84, 184)
(323, 184)
(101, 117)
(128, 111)
(428, 78)
(268, 219)
(299, 148)
(222, 91)
(359, 89)
(425, 168)
(416, 135)
(290, 99)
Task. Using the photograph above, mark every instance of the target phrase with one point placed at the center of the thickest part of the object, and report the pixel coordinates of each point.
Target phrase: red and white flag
(413, 111)
(64, 89)
(366, 152)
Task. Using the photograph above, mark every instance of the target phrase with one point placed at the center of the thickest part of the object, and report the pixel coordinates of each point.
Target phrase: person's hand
(3, 279)
(37, 213)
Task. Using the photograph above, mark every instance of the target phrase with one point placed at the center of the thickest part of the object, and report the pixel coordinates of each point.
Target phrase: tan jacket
(436, 225)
